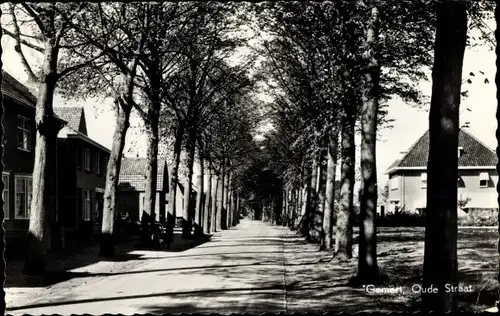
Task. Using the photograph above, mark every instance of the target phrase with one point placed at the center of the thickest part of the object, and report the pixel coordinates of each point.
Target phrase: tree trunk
(316, 217)
(306, 209)
(220, 196)
(367, 259)
(198, 218)
(151, 166)
(174, 179)
(122, 110)
(208, 194)
(286, 207)
(231, 206)
(187, 223)
(214, 197)
(40, 219)
(226, 198)
(299, 208)
(343, 240)
(329, 212)
(39, 232)
(237, 208)
(440, 257)
(221, 220)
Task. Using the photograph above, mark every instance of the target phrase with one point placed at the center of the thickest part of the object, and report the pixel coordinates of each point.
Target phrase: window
(5, 194)
(423, 179)
(460, 151)
(87, 205)
(23, 133)
(23, 190)
(97, 163)
(86, 159)
(484, 178)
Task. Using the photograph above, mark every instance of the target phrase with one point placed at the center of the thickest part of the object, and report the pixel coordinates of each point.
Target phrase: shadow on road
(60, 264)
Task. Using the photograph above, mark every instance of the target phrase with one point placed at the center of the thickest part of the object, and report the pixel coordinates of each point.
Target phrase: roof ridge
(21, 87)
(478, 140)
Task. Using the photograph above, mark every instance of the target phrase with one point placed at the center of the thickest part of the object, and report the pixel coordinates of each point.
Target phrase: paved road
(241, 270)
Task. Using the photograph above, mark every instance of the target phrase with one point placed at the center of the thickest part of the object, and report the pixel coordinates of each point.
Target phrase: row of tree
(331, 68)
(170, 62)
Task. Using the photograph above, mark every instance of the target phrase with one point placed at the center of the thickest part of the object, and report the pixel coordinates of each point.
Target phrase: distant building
(82, 174)
(477, 176)
(132, 187)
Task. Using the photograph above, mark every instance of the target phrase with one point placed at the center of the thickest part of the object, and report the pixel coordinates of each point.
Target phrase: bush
(479, 217)
(403, 218)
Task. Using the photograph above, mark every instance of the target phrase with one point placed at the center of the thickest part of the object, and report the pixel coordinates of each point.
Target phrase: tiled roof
(73, 115)
(133, 174)
(475, 153)
(16, 90)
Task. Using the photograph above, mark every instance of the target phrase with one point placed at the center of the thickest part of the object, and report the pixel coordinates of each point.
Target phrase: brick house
(132, 184)
(477, 176)
(82, 170)
(19, 157)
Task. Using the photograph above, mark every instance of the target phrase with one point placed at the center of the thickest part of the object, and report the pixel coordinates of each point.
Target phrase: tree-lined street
(264, 119)
(253, 268)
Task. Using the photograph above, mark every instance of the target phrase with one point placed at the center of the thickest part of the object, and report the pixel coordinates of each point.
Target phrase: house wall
(20, 162)
(16, 162)
(405, 189)
(73, 181)
(480, 197)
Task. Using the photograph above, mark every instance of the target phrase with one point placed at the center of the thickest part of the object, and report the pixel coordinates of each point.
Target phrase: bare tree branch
(34, 15)
(18, 48)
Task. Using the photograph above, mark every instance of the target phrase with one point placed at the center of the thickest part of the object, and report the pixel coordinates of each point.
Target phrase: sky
(409, 123)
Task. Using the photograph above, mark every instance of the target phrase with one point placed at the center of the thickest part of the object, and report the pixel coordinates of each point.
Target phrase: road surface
(241, 270)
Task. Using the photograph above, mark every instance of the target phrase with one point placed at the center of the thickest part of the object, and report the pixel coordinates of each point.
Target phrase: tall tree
(116, 78)
(440, 257)
(329, 212)
(52, 37)
(367, 259)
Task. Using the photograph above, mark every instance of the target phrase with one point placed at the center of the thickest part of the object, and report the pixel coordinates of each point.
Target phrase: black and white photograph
(205, 157)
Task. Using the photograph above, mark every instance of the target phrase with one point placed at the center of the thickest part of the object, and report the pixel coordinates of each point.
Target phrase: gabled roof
(16, 90)
(133, 174)
(68, 132)
(475, 154)
(75, 116)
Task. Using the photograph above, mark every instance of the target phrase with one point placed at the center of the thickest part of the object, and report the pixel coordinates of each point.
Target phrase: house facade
(132, 187)
(19, 158)
(476, 183)
(82, 175)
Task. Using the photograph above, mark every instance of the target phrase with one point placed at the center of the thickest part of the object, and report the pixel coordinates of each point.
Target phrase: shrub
(402, 218)
(479, 217)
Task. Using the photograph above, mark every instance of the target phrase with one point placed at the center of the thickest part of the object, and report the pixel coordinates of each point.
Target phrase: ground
(252, 268)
